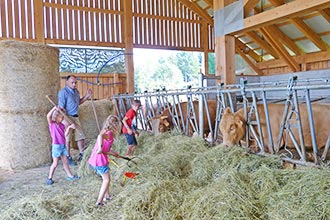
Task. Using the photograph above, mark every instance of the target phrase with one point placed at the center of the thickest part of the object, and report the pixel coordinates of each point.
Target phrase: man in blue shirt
(69, 100)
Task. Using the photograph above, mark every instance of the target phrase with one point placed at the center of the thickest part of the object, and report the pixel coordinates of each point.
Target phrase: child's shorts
(101, 169)
(131, 140)
(59, 150)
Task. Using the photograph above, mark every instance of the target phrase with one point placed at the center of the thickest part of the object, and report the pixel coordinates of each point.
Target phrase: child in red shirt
(128, 129)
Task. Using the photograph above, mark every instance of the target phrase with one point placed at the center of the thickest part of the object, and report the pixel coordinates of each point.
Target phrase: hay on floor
(182, 178)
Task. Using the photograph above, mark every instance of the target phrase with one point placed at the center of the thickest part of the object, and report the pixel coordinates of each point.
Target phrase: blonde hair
(113, 124)
(54, 115)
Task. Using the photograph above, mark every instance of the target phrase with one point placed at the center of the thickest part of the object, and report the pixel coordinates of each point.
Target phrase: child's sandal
(99, 204)
(107, 198)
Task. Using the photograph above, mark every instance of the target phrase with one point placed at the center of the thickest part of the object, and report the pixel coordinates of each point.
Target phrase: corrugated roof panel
(326, 38)
(289, 51)
(245, 39)
(307, 46)
(210, 12)
(253, 46)
(202, 4)
(318, 24)
(268, 57)
(291, 31)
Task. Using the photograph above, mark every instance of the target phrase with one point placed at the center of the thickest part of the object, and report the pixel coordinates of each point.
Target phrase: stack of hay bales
(28, 73)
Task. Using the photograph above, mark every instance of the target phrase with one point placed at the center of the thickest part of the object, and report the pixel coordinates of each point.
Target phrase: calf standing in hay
(233, 126)
(164, 122)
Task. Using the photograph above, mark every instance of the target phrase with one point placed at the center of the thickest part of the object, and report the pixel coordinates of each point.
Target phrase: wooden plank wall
(98, 23)
(17, 20)
(157, 24)
(109, 84)
(166, 24)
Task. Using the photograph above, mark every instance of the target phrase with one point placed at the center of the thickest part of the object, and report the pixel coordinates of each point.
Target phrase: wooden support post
(116, 85)
(205, 43)
(224, 50)
(128, 30)
(39, 21)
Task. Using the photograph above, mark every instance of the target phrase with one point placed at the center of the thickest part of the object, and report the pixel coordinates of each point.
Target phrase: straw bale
(25, 141)
(103, 109)
(28, 73)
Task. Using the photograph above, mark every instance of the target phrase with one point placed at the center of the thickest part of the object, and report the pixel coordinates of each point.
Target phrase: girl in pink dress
(99, 157)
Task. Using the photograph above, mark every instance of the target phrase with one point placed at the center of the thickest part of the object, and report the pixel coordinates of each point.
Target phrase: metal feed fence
(291, 94)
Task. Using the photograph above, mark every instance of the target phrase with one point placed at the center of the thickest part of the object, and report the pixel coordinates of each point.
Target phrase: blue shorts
(59, 150)
(131, 140)
(101, 169)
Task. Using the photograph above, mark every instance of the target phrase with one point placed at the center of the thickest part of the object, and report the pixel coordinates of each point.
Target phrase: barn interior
(285, 46)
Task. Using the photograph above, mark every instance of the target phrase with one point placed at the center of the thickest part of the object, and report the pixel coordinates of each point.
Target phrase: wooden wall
(166, 24)
(109, 84)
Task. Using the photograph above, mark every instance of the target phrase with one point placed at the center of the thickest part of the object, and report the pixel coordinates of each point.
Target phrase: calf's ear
(166, 123)
(240, 113)
(227, 110)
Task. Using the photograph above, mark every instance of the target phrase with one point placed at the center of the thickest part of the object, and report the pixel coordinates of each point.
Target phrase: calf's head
(160, 124)
(232, 127)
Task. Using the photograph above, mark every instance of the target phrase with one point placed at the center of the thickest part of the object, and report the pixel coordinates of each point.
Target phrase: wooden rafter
(281, 13)
(247, 50)
(198, 10)
(304, 28)
(285, 39)
(325, 13)
(248, 61)
(249, 5)
(262, 43)
(309, 33)
(306, 58)
(283, 53)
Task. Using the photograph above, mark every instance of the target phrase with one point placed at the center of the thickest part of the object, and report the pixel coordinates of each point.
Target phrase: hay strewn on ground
(182, 178)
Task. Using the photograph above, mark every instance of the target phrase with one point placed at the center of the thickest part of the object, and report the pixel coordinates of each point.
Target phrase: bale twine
(103, 109)
(28, 73)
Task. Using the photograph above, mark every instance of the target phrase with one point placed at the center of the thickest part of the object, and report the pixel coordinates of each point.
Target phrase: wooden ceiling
(278, 32)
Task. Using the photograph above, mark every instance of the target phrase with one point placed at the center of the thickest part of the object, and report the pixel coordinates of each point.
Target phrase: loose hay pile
(182, 178)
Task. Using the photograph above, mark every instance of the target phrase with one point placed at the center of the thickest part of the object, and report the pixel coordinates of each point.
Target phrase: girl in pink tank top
(99, 157)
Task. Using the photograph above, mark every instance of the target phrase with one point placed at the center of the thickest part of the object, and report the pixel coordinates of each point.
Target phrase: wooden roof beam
(248, 61)
(249, 5)
(304, 28)
(285, 40)
(309, 33)
(262, 43)
(325, 13)
(281, 13)
(283, 53)
(306, 58)
(247, 50)
(198, 10)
